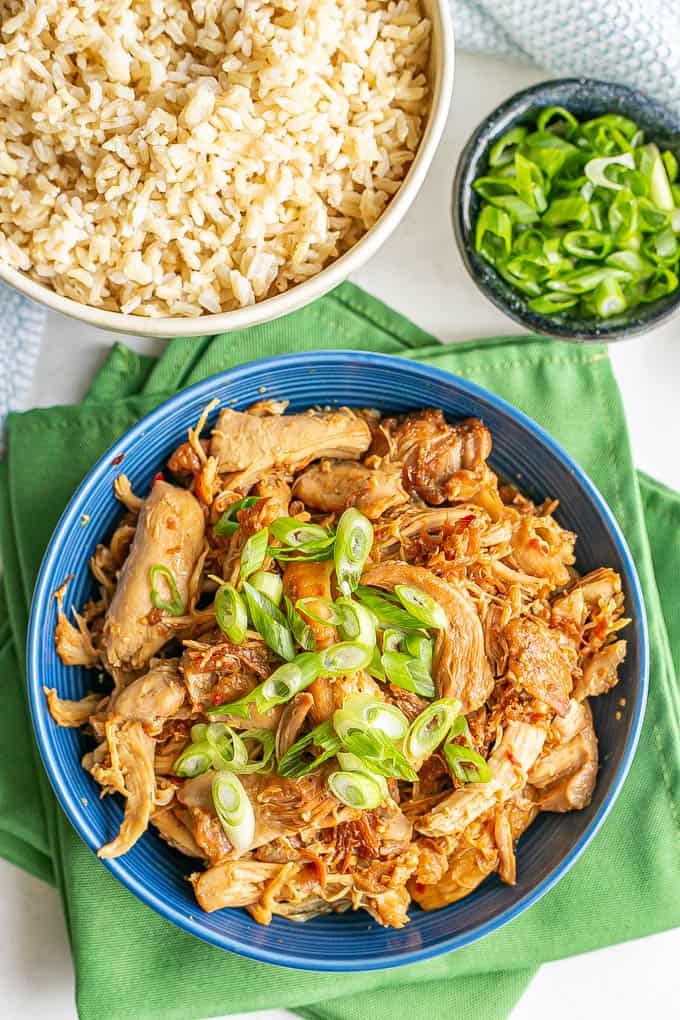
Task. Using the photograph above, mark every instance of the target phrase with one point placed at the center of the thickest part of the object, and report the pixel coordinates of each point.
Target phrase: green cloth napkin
(133, 965)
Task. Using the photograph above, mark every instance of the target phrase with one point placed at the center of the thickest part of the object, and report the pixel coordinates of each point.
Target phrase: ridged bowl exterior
(154, 872)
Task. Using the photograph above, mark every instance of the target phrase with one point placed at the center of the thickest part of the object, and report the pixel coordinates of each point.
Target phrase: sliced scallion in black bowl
(567, 209)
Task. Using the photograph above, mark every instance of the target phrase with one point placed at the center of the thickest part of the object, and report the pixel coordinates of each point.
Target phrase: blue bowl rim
(42, 720)
(504, 115)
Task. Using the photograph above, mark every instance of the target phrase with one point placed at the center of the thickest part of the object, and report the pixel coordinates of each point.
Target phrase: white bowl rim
(303, 293)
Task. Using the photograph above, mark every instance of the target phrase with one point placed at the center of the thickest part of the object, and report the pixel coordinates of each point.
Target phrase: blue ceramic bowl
(584, 97)
(155, 873)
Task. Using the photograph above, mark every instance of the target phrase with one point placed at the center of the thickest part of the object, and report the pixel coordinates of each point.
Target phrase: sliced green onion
(198, 733)
(254, 552)
(659, 185)
(671, 165)
(529, 183)
(345, 657)
(493, 234)
(502, 152)
(226, 525)
(353, 543)
(357, 623)
(663, 282)
(420, 647)
(300, 629)
(567, 210)
(351, 763)
(562, 120)
(292, 532)
(296, 762)
(174, 606)
(376, 750)
(265, 741)
(288, 680)
(356, 790)
(553, 304)
(422, 606)
(392, 639)
(234, 809)
(609, 299)
(194, 761)
(331, 615)
(595, 169)
(231, 614)
(466, 764)
(375, 667)
(269, 622)
(269, 584)
(228, 747)
(374, 713)
(632, 263)
(386, 609)
(518, 210)
(650, 217)
(662, 247)
(430, 728)
(587, 244)
(407, 673)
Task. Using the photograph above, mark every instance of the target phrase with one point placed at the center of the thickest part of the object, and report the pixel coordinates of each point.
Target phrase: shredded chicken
(523, 644)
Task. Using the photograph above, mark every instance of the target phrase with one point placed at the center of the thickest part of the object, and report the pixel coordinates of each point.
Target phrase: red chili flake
(218, 699)
(465, 522)
(158, 477)
(512, 759)
(118, 459)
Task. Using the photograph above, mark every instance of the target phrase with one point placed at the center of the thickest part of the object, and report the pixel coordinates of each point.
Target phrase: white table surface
(641, 978)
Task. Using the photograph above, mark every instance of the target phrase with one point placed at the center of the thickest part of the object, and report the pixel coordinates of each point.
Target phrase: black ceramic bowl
(584, 97)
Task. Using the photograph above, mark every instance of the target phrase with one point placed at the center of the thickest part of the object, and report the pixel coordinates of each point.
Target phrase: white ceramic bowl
(441, 76)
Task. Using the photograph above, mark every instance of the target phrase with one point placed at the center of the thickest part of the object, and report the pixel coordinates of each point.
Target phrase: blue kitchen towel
(635, 42)
(22, 323)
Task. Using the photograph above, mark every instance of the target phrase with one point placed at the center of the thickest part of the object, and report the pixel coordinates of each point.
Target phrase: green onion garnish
(563, 207)
(386, 608)
(175, 605)
(269, 622)
(353, 542)
(467, 765)
(356, 790)
(269, 584)
(421, 605)
(288, 680)
(227, 525)
(430, 728)
(253, 553)
(372, 712)
(299, 760)
(300, 629)
(294, 533)
(408, 673)
(357, 623)
(345, 657)
(234, 809)
(194, 760)
(231, 614)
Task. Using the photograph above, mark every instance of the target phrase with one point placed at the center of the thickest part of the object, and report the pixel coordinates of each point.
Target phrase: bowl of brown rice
(171, 168)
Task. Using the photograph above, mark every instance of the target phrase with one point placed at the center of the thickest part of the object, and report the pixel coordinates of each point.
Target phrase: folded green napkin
(132, 964)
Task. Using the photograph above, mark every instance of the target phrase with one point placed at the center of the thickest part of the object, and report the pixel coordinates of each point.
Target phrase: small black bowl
(584, 97)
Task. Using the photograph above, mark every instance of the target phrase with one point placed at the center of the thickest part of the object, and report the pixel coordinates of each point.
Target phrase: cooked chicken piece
(72, 713)
(334, 485)
(412, 522)
(409, 703)
(152, 698)
(600, 671)
(495, 645)
(217, 671)
(563, 728)
(266, 408)
(232, 883)
(247, 446)
(598, 586)
(275, 488)
(538, 663)
(169, 534)
(568, 614)
(543, 549)
(291, 721)
(283, 807)
(565, 777)
(74, 644)
(509, 763)
(176, 833)
(313, 580)
(383, 888)
(132, 751)
(487, 846)
(460, 668)
(442, 463)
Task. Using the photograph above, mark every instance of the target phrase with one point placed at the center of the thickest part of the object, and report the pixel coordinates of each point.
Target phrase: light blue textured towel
(636, 42)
